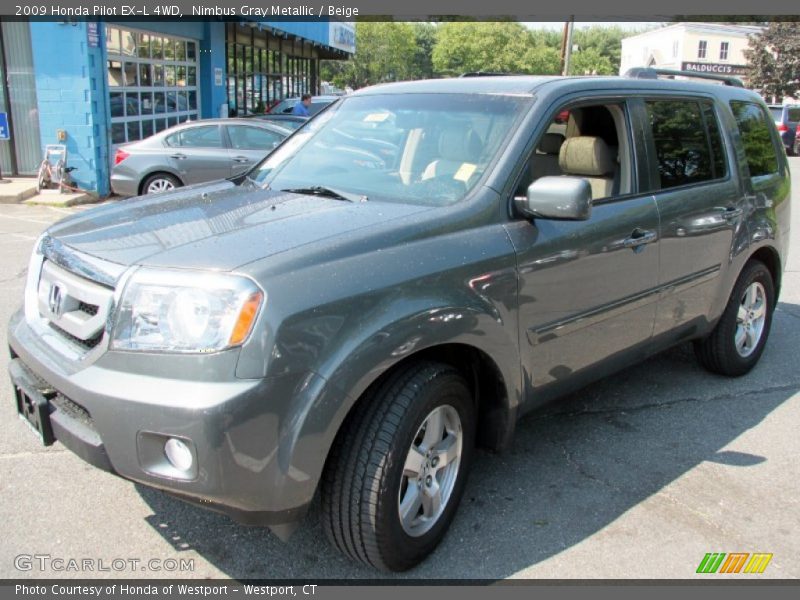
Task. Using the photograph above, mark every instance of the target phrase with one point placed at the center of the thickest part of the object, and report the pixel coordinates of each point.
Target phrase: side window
(687, 142)
(589, 141)
(196, 137)
(754, 127)
(252, 138)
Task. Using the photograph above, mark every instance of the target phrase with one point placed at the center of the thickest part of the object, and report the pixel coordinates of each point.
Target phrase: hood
(216, 226)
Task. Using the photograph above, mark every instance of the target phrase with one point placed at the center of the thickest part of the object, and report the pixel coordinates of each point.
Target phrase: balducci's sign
(718, 68)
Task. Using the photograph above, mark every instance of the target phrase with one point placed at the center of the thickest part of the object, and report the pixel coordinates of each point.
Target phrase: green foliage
(503, 46)
(388, 51)
(774, 58)
(385, 51)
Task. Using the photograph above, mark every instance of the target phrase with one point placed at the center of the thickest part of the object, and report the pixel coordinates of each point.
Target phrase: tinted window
(754, 127)
(794, 115)
(253, 138)
(687, 141)
(196, 137)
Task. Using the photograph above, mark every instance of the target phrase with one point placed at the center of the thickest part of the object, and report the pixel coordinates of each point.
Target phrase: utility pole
(566, 46)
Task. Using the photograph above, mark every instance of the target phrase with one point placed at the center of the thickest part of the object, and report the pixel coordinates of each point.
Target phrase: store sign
(717, 68)
(4, 135)
(342, 35)
(92, 34)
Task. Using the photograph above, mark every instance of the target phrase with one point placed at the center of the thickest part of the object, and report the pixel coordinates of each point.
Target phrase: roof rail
(485, 74)
(650, 73)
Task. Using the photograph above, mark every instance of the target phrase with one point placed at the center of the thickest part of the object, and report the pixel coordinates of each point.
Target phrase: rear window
(777, 114)
(686, 153)
(755, 128)
(794, 114)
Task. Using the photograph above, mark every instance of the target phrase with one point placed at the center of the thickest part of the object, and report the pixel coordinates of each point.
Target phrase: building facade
(96, 84)
(700, 47)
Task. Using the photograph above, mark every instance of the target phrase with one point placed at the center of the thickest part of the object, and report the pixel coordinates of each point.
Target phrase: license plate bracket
(33, 408)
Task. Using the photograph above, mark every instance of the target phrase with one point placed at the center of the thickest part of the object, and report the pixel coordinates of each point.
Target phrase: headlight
(181, 311)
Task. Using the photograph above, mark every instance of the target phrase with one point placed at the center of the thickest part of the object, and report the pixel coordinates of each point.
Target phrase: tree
(774, 57)
(589, 61)
(424, 41)
(501, 46)
(385, 51)
(600, 42)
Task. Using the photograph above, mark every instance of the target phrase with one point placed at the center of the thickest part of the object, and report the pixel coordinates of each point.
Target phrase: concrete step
(53, 198)
(17, 189)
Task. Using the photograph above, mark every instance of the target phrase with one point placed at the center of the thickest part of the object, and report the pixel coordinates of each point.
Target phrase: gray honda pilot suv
(397, 283)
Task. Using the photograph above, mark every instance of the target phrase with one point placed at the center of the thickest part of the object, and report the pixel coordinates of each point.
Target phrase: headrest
(460, 144)
(551, 143)
(585, 155)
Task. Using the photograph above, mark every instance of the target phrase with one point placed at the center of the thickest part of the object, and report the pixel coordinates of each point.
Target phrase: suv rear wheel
(397, 471)
(738, 340)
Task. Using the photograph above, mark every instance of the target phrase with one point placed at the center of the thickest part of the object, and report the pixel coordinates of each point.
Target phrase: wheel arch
(772, 260)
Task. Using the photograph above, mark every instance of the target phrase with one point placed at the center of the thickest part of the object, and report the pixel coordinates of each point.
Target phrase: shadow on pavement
(573, 469)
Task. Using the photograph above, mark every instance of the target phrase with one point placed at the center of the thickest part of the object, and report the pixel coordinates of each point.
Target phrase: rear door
(198, 153)
(699, 200)
(249, 144)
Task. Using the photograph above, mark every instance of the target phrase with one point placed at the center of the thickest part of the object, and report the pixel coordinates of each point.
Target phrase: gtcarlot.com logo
(58, 564)
(734, 562)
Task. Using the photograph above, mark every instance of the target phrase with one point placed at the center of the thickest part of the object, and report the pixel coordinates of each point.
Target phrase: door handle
(241, 159)
(178, 156)
(732, 212)
(639, 238)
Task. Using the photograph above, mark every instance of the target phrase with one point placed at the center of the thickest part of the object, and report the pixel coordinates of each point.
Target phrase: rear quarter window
(755, 128)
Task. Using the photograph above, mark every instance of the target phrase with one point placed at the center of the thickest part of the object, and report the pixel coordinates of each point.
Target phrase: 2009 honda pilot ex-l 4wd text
(398, 282)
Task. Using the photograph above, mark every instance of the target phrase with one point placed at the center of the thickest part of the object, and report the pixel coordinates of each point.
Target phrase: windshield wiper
(319, 190)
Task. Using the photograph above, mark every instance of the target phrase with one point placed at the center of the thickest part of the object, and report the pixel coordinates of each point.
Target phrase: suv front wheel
(398, 469)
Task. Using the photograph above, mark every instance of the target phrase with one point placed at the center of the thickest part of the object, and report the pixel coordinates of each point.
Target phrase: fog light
(179, 454)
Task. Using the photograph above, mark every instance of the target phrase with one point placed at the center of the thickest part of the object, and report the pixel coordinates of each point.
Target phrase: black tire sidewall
(405, 550)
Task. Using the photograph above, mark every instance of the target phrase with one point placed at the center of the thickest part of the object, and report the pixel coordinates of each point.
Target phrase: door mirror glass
(562, 198)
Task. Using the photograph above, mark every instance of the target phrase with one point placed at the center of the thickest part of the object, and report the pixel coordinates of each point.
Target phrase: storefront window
(151, 76)
(259, 76)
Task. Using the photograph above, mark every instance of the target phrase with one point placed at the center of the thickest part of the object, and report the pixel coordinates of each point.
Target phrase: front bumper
(245, 433)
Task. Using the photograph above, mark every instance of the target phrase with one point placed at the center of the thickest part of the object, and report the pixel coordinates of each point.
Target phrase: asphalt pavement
(637, 476)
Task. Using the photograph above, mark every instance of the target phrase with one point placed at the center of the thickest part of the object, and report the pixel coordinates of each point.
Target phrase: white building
(702, 47)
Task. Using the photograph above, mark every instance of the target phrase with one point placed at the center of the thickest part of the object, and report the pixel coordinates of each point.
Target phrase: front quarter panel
(352, 319)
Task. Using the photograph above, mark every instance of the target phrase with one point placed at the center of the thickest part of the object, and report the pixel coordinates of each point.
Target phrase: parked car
(787, 119)
(352, 322)
(284, 107)
(288, 121)
(193, 152)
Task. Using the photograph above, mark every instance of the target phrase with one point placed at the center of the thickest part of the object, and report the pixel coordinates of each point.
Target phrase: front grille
(86, 344)
(89, 309)
(72, 305)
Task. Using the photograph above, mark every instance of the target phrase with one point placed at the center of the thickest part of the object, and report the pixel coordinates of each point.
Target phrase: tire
(366, 475)
(722, 351)
(165, 181)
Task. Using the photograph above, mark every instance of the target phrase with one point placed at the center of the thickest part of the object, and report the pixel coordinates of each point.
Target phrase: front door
(587, 289)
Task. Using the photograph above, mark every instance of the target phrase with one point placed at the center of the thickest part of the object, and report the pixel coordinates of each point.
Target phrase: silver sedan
(193, 153)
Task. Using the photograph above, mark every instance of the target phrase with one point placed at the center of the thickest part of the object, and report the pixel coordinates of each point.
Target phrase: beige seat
(589, 158)
(457, 146)
(544, 162)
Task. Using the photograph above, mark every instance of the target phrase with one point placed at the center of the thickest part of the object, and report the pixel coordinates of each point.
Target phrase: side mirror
(562, 198)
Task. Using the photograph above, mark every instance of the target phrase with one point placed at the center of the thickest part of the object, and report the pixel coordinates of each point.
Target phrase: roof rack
(650, 73)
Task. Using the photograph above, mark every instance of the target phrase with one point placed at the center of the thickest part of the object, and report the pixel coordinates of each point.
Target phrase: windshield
(418, 148)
